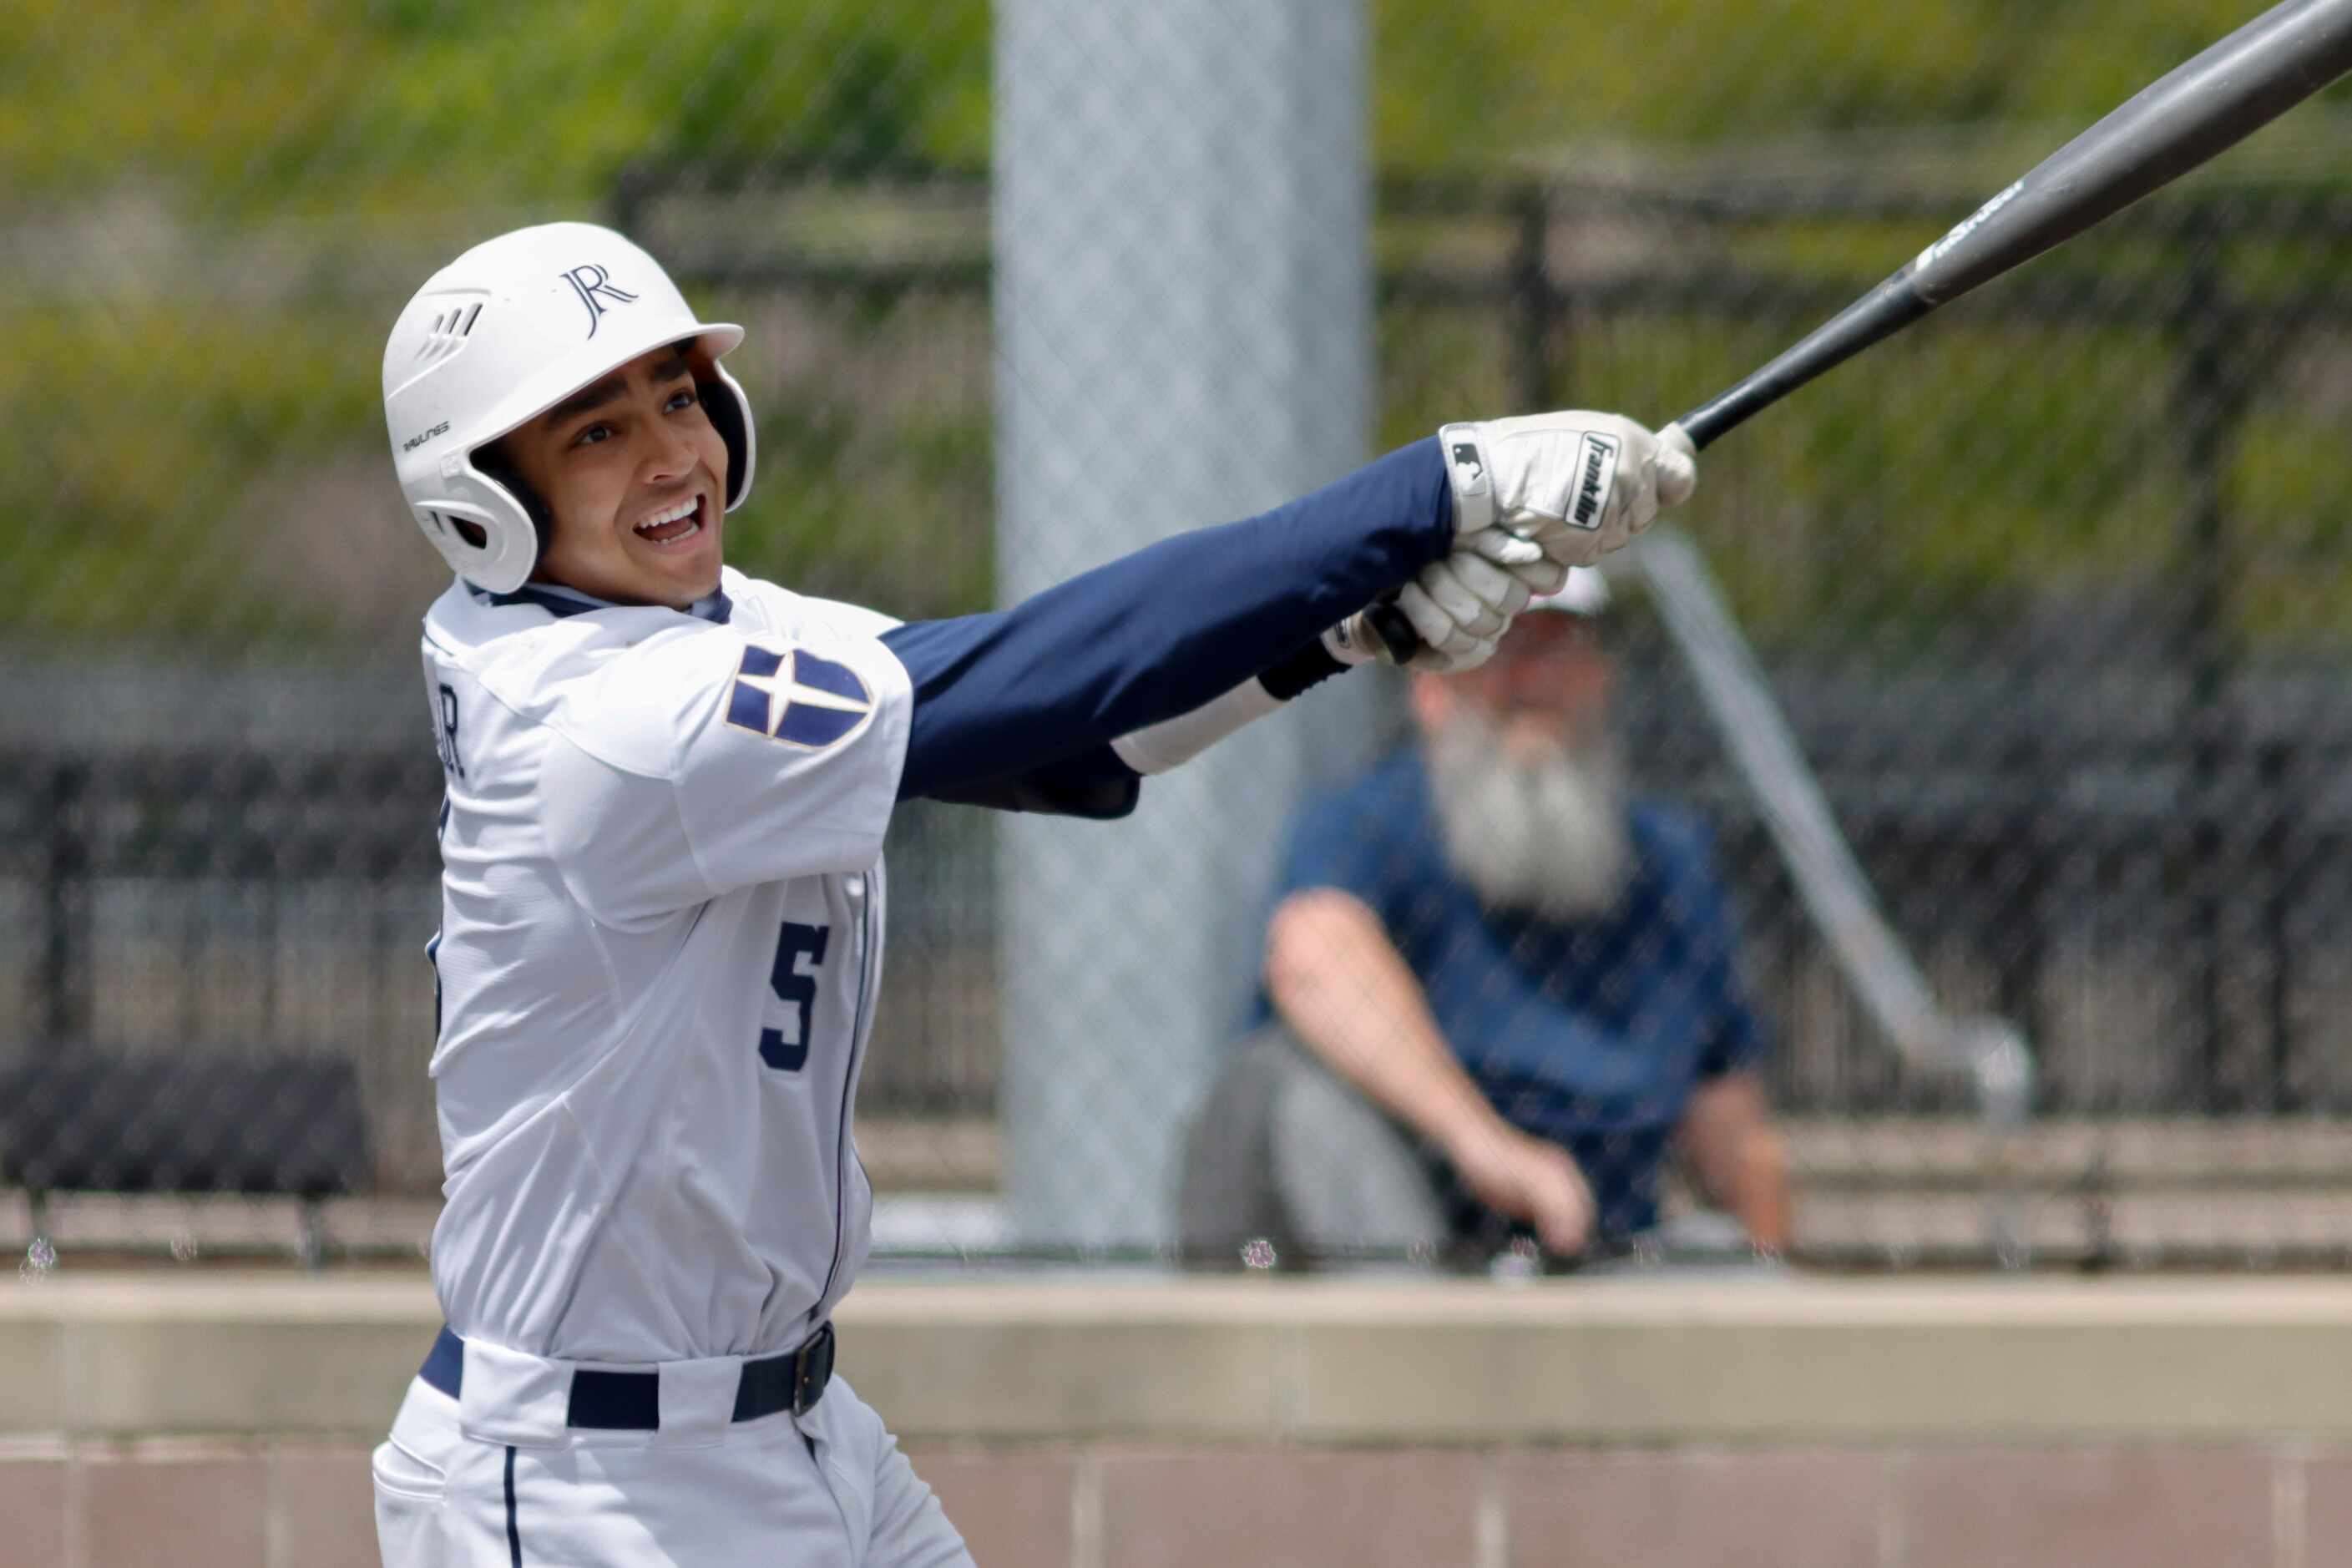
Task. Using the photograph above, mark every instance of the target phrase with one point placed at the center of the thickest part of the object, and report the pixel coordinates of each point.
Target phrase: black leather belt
(631, 1401)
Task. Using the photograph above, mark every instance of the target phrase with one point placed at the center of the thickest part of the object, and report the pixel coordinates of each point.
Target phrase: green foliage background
(215, 209)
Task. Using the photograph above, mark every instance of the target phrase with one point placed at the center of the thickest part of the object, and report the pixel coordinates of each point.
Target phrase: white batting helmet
(501, 335)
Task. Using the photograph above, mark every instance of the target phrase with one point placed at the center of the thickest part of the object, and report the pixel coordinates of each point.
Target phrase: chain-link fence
(2048, 593)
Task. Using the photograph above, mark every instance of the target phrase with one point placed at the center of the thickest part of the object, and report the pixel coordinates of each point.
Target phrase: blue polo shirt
(1591, 1033)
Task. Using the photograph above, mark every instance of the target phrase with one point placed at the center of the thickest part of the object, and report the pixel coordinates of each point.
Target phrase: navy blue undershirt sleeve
(1096, 784)
(1163, 631)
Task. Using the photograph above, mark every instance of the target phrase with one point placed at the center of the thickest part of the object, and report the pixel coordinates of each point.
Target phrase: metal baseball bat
(2184, 118)
(2193, 112)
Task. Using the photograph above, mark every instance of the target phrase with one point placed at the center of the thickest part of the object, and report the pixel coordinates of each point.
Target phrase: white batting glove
(1459, 607)
(1438, 644)
(1578, 484)
(1458, 626)
(1575, 464)
(1489, 578)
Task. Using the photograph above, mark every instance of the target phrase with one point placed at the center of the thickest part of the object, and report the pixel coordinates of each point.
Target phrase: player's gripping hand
(1580, 484)
(1458, 608)
(1430, 638)
(1533, 495)
(1529, 1179)
(1462, 606)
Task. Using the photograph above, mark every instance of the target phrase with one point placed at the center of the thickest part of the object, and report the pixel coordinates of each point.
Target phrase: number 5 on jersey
(796, 987)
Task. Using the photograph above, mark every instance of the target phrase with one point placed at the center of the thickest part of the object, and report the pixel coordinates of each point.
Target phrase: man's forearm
(1760, 1192)
(1342, 985)
(1758, 1196)
(1740, 1160)
(1347, 991)
(1163, 631)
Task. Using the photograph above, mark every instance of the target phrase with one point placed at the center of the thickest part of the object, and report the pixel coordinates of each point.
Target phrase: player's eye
(683, 397)
(592, 435)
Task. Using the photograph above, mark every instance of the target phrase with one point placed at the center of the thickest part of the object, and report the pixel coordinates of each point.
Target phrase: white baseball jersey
(661, 943)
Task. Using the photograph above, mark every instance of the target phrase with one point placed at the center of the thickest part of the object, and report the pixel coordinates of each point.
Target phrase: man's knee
(1227, 1194)
(1350, 1177)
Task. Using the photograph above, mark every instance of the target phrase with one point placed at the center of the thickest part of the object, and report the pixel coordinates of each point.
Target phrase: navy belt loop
(614, 1401)
(631, 1401)
(444, 1363)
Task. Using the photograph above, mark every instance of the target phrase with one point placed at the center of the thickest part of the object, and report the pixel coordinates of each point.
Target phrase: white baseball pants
(490, 1488)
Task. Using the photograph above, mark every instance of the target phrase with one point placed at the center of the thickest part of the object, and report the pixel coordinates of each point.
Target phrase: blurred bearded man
(1498, 992)
(1533, 811)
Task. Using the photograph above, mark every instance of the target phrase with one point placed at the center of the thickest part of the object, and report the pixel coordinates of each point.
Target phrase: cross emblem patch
(797, 698)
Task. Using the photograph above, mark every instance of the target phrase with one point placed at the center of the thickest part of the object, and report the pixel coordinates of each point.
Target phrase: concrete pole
(1184, 320)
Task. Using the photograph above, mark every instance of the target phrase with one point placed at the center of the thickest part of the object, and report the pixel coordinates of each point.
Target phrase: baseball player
(662, 911)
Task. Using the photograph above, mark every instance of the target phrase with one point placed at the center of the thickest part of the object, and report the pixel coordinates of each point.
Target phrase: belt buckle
(812, 1369)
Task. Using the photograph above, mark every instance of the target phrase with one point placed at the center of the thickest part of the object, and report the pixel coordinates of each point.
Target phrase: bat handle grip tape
(1884, 311)
(1395, 631)
(1702, 424)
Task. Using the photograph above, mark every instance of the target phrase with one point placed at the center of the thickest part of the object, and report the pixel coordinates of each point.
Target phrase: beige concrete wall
(205, 1420)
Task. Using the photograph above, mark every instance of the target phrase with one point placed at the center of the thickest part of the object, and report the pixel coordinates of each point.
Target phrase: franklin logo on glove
(1597, 461)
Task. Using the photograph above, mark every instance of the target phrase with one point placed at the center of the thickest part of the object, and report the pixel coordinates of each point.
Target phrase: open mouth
(673, 525)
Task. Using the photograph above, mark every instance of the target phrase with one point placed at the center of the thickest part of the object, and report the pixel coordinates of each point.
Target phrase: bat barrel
(2199, 109)
(2217, 99)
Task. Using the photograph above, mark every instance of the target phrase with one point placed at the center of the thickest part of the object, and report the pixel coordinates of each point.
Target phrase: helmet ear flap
(491, 463)
(730, 412)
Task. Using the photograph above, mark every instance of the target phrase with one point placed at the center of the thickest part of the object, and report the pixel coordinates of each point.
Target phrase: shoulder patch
(797, 698)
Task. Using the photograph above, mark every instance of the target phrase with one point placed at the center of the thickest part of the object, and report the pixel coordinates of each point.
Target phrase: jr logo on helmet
(592, 283)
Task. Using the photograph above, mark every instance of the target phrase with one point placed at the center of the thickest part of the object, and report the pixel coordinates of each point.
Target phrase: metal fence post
(1530, 309)
(2277, 775)
(1183, 299)
(64, 894)
(2206, 658)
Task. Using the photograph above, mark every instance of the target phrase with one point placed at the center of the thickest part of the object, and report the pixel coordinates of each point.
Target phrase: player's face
(634, 474)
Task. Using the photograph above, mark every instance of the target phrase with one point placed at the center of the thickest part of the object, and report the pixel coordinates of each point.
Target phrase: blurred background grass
(193, 445)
